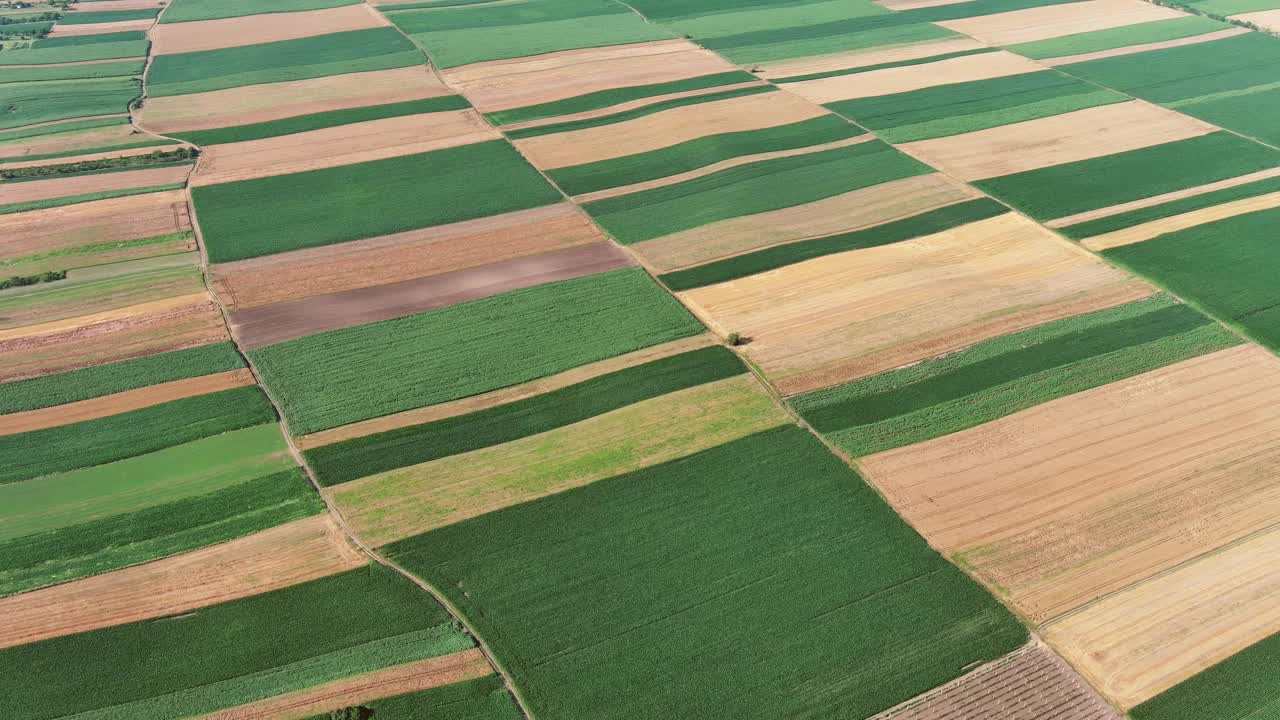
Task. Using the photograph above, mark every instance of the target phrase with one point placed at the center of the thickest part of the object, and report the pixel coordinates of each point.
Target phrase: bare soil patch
(1069, 137)
(1135, 644)
(278, 557)
(273, 101)
(666, 128)
(1155, 228)
(169, 38)
(983, 66)
(519, 82)
(18, 192)
(268, 324)
(61, 30)
(342, 145)
(100, 221)
(1031, 683)
(842, 316)
(1050, 21)
(473, 403)
(1080, 497)
(867, 56)
(1144, 47)
(122, 402)
(854, 210)
(357, 689)
(418, 253)
(170, 324)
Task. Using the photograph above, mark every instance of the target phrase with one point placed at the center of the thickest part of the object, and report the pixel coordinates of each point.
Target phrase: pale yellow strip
(873, 83)
(505, 395)
(1146, 231)
(62, 30)
(630, 105)
(118, 313)
(1050, 21)
(1269, 19)
(863, 58)
(1162, 199)
(200, 35)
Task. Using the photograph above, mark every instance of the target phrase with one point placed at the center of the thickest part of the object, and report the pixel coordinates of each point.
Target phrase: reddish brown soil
(273, 323)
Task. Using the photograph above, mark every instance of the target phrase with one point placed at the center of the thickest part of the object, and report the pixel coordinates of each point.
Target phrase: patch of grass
(319, 207)
(28, 104)
(188, 10)
(316, 121)
(925, 223)
(1001, 376)
(1120, 221)
(713, 586)
(116, 437)
(1227, 268)
(752, 188)
(98, 546)
(164, 477)
(358, 457)
(106, 46)
(1244, 685)
(483, 698)
(700, 152)
(355, 373)
(1110, 38)
(1074, 187)
(86, 197)
(614, 96)
(107, 16)
(99, 380)
(380, 48)
(233, 652)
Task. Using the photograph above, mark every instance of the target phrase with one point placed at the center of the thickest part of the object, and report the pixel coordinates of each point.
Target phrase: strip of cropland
(225, 33)
(35, 102)
(188, 10)
(79, 49)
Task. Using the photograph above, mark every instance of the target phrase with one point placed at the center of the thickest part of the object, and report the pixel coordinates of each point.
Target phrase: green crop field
(1227, 268)
(481, 699)
(1141, 33)
(341, 376)
(1245, 686)
(115, 377)
(84, 17)
(79, 48)
(714, 586)
(1070, 188)
(752, 188)
(55, 128)
(188, 10)
(319, 207)
(116, 437)
(615, 96)
(96, 546)
(1013, 372)
(233, 652)
(700, 152)
(73, 72)
(1123, 220)
(42, 102)
(968, 106)
(317, 121)
(337, 53)
(771, 258)
(358, 457)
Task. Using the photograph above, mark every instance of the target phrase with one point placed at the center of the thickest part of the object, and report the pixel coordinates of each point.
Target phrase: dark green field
(481, 699)
(29, 103)
(84, 17)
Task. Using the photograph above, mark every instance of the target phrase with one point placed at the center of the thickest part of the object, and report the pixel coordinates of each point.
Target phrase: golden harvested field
(840, 317)
(341, 145)
(1082, 497)
(168, 38)
(267, 560)
(968, 68)
(1050, 21)
(68, 141)
(1058, 139)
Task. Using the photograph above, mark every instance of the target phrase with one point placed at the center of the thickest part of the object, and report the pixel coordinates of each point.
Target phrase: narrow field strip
(1056, 20)
(1116, 217)
(32, 104)
(75, 140)
(33, 192)
(839, 63)
(180, 11)
(1183, 221)
(170, 38)
(484, 698)
(1135, 49)
(901, 79)
(906, 62)
(80, 49)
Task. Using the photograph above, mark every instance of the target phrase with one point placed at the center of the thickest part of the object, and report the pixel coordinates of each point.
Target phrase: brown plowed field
(131, 332)
(1132, 49)
(1162, 199)
(281, 321)
(273, 101)
(834, 318)
(666, 128)
(122, 402)
(342, 145)
(61, 30)
(182, 37)
(1064, 503)
(358, 689)
(968, 68)
(19, 192)
(403, 256)
(1031, 683)
(866, 57)
(284, 555)
(1050, 21)
(1072, 136)
(1146, 231)
(505, 395)
(100, 221)
(842, 213)
(1142, 641)
(519, 82)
